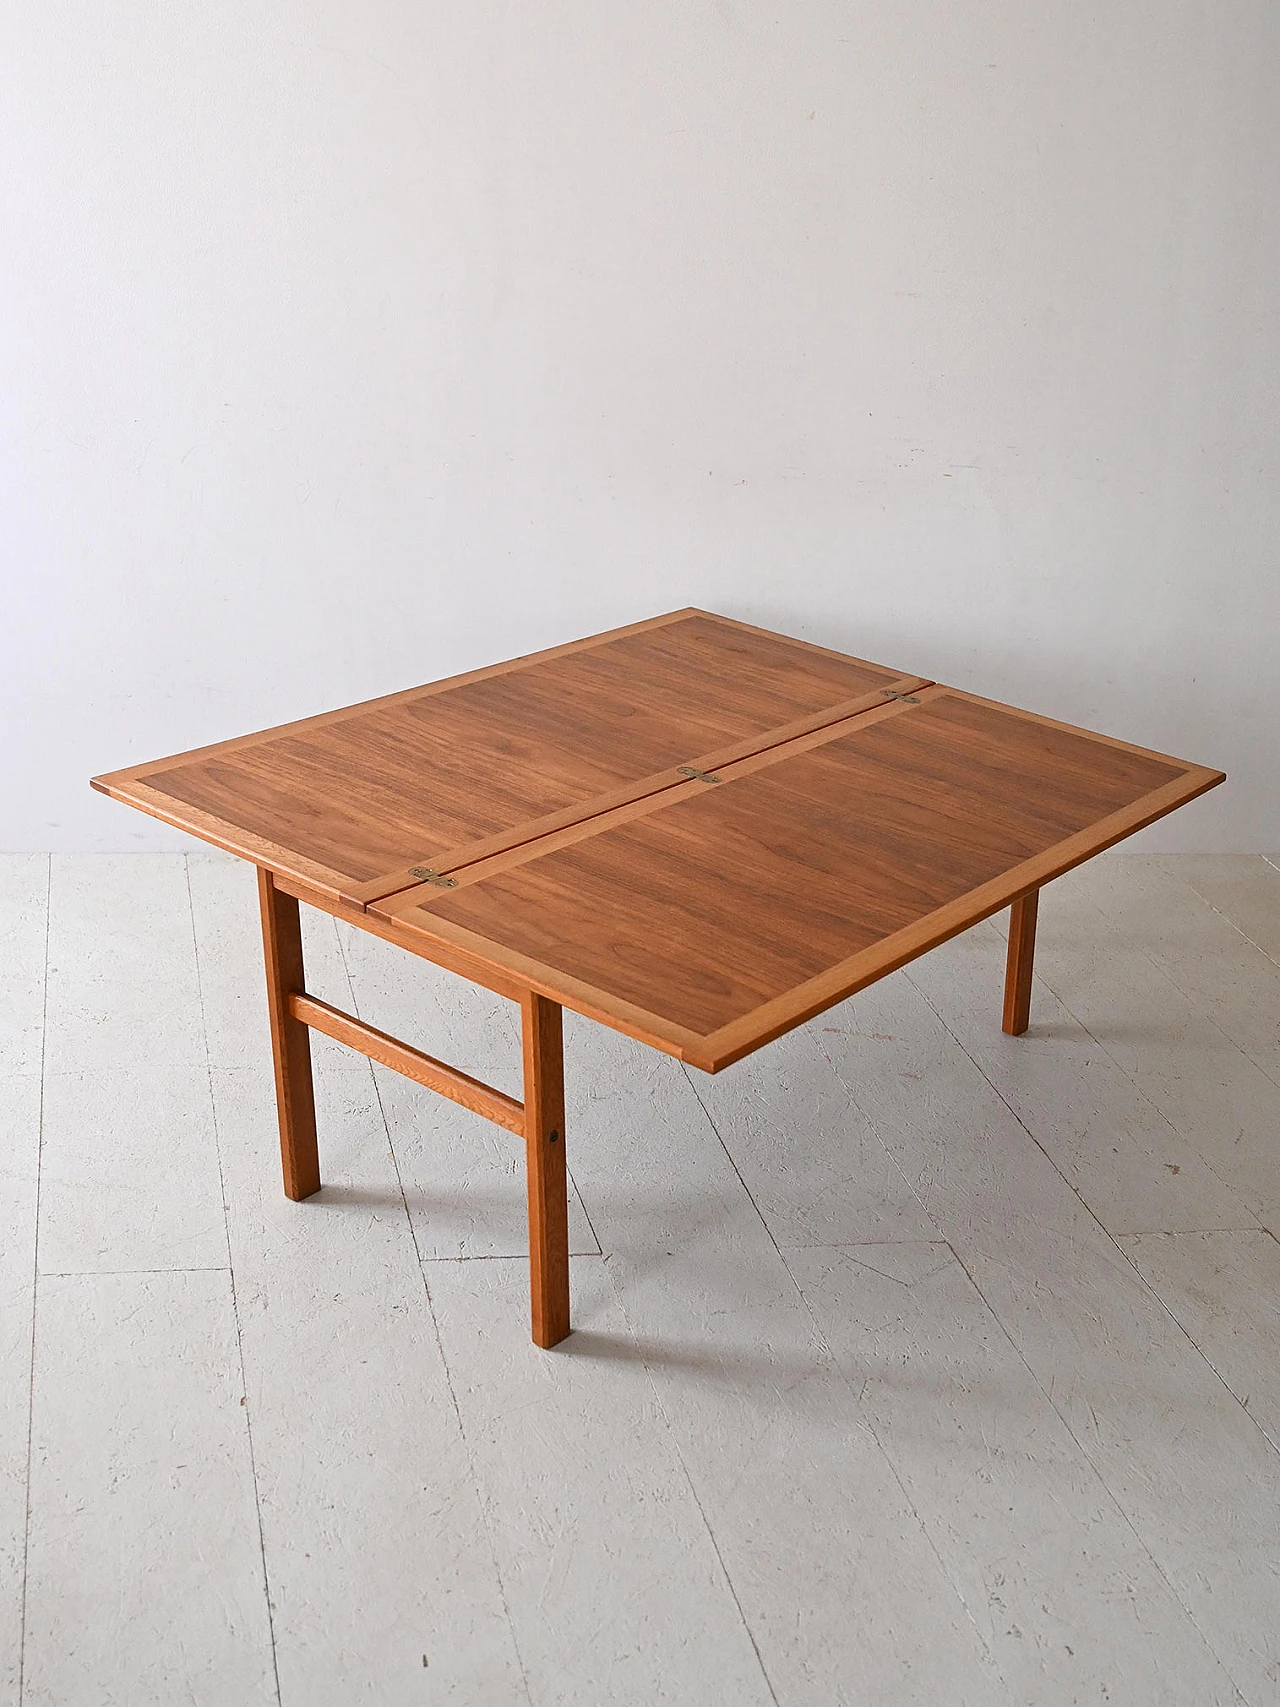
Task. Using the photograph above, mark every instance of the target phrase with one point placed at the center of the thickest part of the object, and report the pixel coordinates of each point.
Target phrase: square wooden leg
(1017, 978)
(547, 1179)
(290, 1040)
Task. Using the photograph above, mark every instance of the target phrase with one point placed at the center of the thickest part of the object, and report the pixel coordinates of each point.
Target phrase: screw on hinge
(428, 874)
(906, 698)
(698, 776)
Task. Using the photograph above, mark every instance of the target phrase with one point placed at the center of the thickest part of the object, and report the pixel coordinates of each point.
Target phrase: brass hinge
(428, 874)
(906, 698)
(698, 776)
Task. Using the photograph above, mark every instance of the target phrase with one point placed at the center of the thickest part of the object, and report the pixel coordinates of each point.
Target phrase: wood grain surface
(718, 915)
(350, 801)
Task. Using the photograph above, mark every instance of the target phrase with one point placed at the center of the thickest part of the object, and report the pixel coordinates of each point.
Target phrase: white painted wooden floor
(913, 1365)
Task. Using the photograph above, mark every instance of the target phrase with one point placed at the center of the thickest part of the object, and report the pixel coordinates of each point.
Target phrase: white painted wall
(346, 346)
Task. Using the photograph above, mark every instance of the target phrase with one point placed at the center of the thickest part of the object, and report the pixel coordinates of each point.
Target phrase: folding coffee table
(697, 832)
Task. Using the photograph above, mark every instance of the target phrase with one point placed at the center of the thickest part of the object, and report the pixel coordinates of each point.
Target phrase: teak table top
(695, 831)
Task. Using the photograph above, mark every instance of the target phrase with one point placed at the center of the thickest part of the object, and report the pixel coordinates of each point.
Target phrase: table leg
(1017, 978)
(547, 1180)
(290, 1040)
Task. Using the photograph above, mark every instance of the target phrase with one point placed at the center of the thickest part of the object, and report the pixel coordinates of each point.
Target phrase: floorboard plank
(375, 1547)
(1193, 1474)
(19, 1162)
(1134, 1170)
(129, 1177)
(843, 1593)
(811, 1159)
(145, 1573)
(122, 971)
(130, 1165)
(1227, 976)
(1208, 1089)
(1245, 888)
(1224, 1288)
(24, 913)
(1060, 1588)
(613, 1582)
